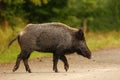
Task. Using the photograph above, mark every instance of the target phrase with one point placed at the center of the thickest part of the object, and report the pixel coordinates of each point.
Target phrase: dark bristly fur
(57, 38)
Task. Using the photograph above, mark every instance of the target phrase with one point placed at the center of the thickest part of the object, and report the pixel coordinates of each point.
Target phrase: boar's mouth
(84, 53)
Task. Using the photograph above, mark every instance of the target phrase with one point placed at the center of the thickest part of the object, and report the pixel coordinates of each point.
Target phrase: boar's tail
(13, 40)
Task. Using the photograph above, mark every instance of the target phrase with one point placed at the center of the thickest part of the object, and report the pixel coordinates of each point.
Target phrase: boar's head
(81, 46)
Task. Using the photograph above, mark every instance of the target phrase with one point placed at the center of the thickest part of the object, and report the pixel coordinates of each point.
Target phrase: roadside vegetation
(95, 41)
(100, 20)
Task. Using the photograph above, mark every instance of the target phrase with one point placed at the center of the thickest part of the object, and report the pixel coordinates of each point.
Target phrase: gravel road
(104, 65)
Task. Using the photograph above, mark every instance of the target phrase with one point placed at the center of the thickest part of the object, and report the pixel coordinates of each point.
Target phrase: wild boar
(53, 37)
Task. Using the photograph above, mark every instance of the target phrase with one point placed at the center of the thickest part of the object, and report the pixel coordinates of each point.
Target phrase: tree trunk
(85, 25)
(5, 24)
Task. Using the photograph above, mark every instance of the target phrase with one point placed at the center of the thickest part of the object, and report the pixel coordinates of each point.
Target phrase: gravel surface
(104, 65)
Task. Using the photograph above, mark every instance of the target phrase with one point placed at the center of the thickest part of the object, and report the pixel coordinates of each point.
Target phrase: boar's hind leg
(64, 59)
(23, 55)
(19, 58)
(25, 60)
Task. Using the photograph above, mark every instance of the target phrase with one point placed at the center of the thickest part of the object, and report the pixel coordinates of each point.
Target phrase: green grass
(101, 40)
(94, 41)
(10, 55)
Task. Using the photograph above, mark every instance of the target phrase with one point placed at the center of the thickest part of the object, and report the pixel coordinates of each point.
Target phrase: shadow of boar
(57, 38)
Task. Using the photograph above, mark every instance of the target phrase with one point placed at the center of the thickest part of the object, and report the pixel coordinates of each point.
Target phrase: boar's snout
(88, 55)
(84, 50)
(85, 53)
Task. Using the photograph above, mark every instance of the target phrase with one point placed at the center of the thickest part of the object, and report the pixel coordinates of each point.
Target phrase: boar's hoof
(15, 68)
(29, 71)
(66, 67)
(56, 70)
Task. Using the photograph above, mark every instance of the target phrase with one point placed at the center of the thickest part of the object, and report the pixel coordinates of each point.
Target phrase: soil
(104, 65)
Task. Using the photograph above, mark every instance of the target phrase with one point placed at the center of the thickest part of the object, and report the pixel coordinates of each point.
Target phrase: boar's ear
(80, 34)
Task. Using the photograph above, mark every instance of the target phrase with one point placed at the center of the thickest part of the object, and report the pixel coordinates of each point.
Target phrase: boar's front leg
(64, 59)
(55, 61)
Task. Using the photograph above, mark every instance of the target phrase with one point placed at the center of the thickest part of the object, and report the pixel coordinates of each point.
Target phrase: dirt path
(104, 65)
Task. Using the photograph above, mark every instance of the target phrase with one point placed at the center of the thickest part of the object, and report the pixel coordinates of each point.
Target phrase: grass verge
(94, 41)
(101, 40)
